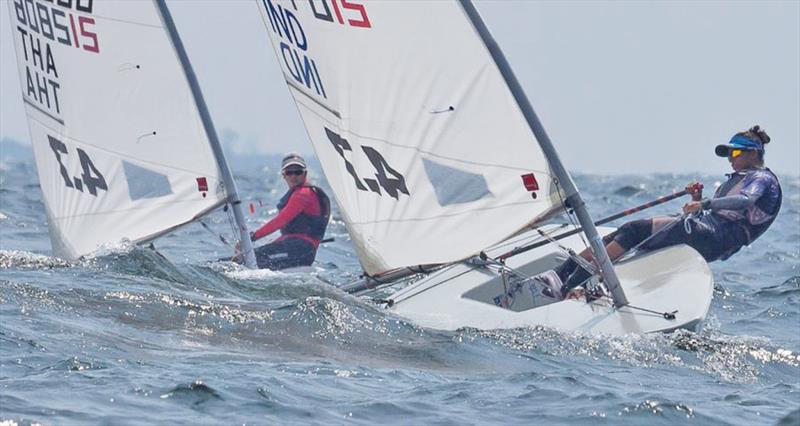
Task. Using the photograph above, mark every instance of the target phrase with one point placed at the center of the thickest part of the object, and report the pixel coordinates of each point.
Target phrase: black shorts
(286, 253)
(712, 237)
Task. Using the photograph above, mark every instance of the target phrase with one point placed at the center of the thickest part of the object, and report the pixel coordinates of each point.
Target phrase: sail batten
(427, 152)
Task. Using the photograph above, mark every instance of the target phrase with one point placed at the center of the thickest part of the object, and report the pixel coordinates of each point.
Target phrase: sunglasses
(293, 172)
(735, 153)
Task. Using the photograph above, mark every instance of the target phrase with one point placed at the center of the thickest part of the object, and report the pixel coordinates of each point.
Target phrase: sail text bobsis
(40, 24)
(294, 42)
(45, 28)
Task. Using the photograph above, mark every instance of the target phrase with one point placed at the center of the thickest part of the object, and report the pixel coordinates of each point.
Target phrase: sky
(620, 86)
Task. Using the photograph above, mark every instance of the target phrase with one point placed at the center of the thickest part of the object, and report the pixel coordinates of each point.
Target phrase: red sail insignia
(202, 184)
(530, 182)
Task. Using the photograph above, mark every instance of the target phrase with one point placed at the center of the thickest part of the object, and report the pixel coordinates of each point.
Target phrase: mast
(208, 125)
(573, 199)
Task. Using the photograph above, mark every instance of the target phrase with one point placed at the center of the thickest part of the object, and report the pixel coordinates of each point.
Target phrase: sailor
(741, 210)
(303, 215)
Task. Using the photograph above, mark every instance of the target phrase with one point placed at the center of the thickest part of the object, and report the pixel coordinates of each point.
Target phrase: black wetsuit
(742, 209)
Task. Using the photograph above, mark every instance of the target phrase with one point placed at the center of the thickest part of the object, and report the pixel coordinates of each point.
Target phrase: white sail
(428, 154)
(120, 149)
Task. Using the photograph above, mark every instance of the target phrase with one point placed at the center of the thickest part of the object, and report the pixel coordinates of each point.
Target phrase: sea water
(137, 336)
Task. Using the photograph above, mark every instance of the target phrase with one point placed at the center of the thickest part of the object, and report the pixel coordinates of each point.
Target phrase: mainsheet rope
(570, 215)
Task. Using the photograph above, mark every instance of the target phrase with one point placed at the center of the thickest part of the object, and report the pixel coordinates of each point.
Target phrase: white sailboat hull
(673, 279)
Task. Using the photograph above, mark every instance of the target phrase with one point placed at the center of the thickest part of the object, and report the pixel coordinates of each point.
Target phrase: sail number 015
(91, 178)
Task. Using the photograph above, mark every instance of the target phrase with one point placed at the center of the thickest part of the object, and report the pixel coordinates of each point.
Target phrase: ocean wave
(11, 337)
(194, 393)
(227, 313)
(651, 409)
(789, 287)
(733, 359)
(10, 259)
(102, 338)
(334, 319)
(77, 364)
(791, 419)
(27, 296)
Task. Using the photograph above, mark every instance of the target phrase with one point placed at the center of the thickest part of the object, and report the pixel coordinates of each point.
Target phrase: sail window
(144, 183)
(454, 186)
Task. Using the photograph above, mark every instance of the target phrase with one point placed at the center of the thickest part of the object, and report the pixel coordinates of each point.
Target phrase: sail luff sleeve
(573, 196)
(211, 132)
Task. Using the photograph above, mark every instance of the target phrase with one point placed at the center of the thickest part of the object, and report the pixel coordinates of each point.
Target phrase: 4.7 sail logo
(386, 177)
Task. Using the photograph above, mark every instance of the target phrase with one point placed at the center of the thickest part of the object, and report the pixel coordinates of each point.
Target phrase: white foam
(120, 247)
(239, 272)
(252, 274)
(24, 259)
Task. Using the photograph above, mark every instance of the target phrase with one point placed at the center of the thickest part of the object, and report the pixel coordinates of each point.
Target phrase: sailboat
(123, 142)
(439, 165)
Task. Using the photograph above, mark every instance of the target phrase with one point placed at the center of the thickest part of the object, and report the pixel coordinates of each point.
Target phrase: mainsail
(120, 147)
(425, 148)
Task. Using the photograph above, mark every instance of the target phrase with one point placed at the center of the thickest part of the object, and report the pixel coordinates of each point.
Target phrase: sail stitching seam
(59, 218)
(141, 24)
(421, 219)
(474, 163)
(121, 155)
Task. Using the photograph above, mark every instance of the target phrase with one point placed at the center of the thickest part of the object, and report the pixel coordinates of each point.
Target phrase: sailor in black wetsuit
(741, 210)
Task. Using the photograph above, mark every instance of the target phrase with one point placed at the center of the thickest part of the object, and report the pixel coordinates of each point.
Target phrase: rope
(583, 263)
(666, 315)
(687, 225)
(231, 222)
(529, 240)
(571, 216)
(220, 236)
(483, 262)
(501, 266)
(436, 285)
(679, 219)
